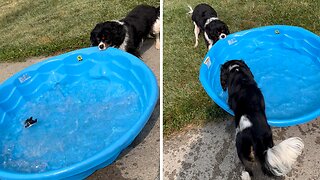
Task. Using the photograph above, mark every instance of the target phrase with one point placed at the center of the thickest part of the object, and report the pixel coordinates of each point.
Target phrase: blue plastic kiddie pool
(285, 61)
(89, 106)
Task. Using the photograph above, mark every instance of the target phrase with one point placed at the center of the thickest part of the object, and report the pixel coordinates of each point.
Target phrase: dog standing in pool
(254, 141)
(205, 19)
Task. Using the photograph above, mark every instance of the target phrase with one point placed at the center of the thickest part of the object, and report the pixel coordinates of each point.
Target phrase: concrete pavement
(209, 152)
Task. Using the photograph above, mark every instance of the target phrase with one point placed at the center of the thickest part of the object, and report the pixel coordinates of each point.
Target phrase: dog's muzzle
(222, 36)
(102, 46)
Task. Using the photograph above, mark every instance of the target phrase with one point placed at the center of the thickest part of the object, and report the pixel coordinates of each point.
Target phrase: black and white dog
(205, 20)
(129, 33)
(253, 134)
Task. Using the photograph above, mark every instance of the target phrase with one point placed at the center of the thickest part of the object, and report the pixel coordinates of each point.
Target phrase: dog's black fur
(245, 98)
(138, 24)
(255, 141)
(203, 12)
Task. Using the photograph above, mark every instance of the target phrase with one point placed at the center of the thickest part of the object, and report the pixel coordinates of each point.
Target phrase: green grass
(185, 101)
(43, 27)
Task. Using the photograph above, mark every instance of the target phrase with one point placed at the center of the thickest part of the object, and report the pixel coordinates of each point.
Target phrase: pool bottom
(75, 122)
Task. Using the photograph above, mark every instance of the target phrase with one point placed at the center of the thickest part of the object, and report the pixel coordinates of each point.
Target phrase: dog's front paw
(158, 45)
(196, 44)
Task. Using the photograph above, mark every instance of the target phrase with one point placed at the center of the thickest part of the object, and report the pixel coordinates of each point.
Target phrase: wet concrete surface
(141, 160)
(209, 153)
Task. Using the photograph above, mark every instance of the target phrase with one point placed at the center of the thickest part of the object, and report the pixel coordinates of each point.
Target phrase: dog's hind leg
(196, 33)
(243, 145)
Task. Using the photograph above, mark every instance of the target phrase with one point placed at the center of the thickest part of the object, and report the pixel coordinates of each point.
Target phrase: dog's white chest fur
(123, 46)
(243, 124)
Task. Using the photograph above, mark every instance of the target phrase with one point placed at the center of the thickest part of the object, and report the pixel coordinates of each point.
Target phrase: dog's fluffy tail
(191, 10)
(281, 157)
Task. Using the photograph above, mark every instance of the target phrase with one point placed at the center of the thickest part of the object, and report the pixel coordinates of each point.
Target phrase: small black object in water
(29, 122)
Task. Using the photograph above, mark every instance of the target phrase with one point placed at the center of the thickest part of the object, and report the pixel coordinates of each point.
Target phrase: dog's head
(108, 34)
(217, 30)
(231, 67)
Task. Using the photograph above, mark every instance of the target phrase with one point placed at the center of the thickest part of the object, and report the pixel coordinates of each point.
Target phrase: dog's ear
(121, 33)
(226, 29)
(224, 76)
(117, 34)
(93, 39)
(94, 34)
(212, 32)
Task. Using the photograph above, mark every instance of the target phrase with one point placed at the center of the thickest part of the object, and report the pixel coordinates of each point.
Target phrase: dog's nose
(101, 46)
(222, 36)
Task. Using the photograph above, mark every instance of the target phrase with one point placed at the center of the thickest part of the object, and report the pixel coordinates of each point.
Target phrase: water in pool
(75, 122)
(291, 89)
